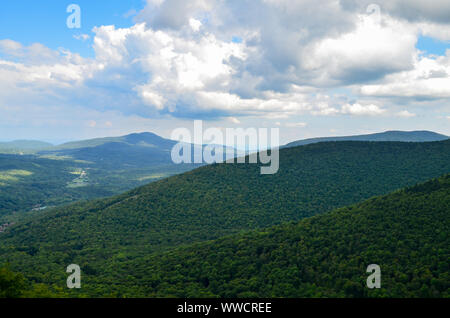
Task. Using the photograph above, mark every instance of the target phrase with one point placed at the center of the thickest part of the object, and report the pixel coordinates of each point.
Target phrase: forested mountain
(146, 139)
(15, 285)
(19, 146)
(81, 170)
(214, 201)
(31, 182)
(405, 136)
(134, 150)
(406, 233)
(130, 151)
(36, 175)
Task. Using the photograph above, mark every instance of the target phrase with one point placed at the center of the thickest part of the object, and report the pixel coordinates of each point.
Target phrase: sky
(342, 68)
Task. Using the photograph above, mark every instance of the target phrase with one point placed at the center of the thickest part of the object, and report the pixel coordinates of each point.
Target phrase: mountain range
(405, 233)
(35, 176)
(148, 139)
(393, 135)
(108, 237)
(18, 146)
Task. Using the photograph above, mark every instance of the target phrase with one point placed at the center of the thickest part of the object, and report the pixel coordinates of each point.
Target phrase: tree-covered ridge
(23, 146)
(30, 181)
(84, 170)
(15, 285)
(392, 135)
(406, 233)
(211, 202)
(42, 182)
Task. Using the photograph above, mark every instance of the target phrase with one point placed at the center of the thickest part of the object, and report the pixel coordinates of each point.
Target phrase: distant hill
(39, 174)
(211, 202)
(143, 149)
(23, 146)
(84, 169)
(404, 136)
(134, 150)
(143, 139)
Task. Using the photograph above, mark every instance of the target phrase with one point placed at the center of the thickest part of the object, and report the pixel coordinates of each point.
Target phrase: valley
(37, 173)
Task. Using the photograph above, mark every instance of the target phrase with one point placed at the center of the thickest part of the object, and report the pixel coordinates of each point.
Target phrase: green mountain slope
(215, 201)
(404, 136)
(85, 170)
(126, 152)
(14, 285)
(29, 181)
(406, 233)
(82, 170)
(25, 146)
(146, 138)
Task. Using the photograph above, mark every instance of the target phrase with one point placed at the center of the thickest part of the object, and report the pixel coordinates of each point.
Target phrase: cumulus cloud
(172, 14)
(82, 37)
(369, 52)
(362, 110)
(429, 79)
(36, 53)
(405, 114)
(437, 11)
(35, 74)
(181, 59)
(437, 31)
(234, 120)
(11, 47)
(172, 73)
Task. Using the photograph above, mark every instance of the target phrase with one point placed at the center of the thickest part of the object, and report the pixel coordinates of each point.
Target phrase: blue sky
(432, 46)
(156, 65)
(44, 21)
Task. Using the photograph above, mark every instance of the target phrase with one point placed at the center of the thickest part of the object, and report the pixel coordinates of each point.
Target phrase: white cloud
(37, 74)
(430, 78)
(436, 11)
(172, 14)
(405, 114)
(195, 24)
(180, 60)
(234, 120)
(11, 47)
(82, 37)
(362, 110)
(370, 51)
(434, 30)
(323, 106)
